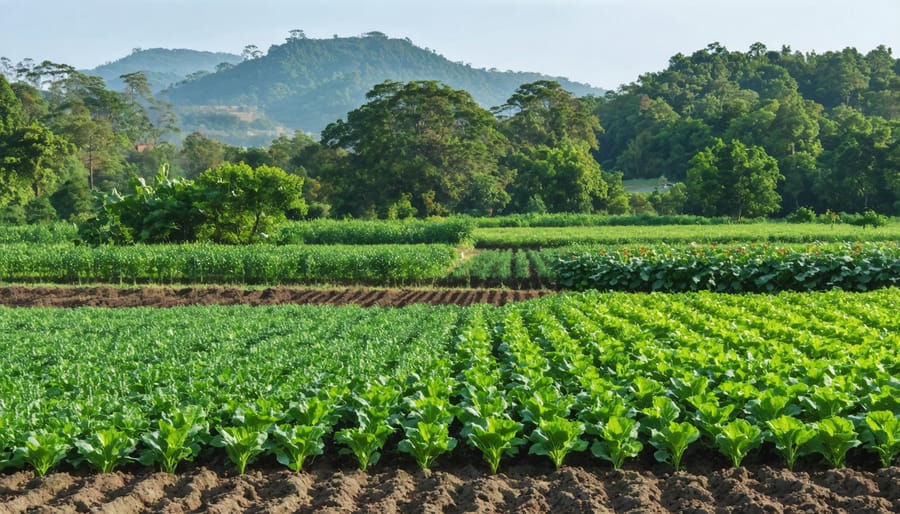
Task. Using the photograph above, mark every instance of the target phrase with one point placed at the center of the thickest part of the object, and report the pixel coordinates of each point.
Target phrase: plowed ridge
(106, 296)
(522, 489)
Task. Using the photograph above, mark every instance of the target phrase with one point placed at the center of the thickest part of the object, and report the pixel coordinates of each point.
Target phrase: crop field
(780, 233)
(601, 380)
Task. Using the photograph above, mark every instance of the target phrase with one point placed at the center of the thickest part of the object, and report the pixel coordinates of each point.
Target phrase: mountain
(163, 67)
(305, 84)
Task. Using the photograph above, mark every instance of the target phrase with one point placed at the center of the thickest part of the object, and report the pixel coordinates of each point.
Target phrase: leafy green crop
(293, 444)
(790, 435)
(556, 438)
(671, 442)
(834, 437)
(737, 438)
(107, 449)
(43, 450)
(178, 438)
(242, 444)
(881, 434)
(619, 441)
(494, 437)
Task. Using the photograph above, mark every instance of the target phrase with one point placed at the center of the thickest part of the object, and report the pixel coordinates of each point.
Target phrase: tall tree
(421, 139)
(733, 179)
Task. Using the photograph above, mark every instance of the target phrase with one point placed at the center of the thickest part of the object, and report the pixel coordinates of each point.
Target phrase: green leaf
(556, 438)
(737, 438)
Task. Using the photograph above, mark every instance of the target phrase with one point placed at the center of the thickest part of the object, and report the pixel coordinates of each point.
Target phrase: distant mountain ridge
(305, 84)
(162, 66)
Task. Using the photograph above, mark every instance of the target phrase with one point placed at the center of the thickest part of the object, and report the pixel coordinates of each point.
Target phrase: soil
(154, 296)
(336, 487)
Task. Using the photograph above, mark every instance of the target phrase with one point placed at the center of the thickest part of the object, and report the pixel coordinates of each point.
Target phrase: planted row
(733, 269)
(256, 264)
(783, 233)
(453, 231)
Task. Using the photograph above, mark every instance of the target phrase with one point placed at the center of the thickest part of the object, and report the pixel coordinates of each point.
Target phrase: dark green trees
(419, 142)
(733, 179)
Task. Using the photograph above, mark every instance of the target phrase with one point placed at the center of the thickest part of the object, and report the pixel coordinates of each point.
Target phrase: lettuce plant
(556, 438)
(881, 434)
(790, 435)
(834, 437)
(620, 441)
(106, 449)
(672, 440)
(293, 444)
(495, 437)
(737, 438)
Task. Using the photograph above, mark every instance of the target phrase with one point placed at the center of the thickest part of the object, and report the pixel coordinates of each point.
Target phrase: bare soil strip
(155, 296)
(456, 488)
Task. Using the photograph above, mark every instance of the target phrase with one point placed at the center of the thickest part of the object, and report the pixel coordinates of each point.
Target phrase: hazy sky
(602, 42)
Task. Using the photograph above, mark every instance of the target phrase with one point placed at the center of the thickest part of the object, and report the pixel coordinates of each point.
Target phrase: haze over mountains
(302, 84)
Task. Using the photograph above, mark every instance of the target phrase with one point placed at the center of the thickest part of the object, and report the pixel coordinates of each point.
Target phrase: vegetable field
(804, 379)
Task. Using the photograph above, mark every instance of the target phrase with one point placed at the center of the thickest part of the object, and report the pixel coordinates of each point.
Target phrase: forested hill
(309, 83)
(162, 66)
(831, 120)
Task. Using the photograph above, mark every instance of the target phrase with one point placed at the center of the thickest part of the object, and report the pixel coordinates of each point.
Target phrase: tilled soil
(154, 296)
(458, 488)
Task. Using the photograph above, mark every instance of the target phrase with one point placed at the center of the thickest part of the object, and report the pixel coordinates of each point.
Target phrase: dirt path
(152, 296)
(457, 488)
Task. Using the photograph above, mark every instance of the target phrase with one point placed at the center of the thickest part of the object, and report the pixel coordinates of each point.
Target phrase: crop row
(258, 264)
(811, 377)
(732, 269)
(782, 233)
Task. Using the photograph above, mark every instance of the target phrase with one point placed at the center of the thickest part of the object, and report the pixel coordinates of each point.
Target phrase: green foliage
(737, 438)
(671, 441)
(750, 268)
(44, 449)
(881, 434)
(790, 435)
(252, 264)
(107, 449)
(364, 441)
(294, 444)
(440, 142)
(455, 231)
(587, 359)
(495, 437)
(243, 205)
(619, 440)
(733, 179)
(242, 444)
(834, 437)
(179, 437)
(556, 438)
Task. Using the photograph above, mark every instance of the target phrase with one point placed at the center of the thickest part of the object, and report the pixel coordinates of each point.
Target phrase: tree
(29, 160)
(200, 153)
(732, 179)
(242, 204)
(421, 138)
(543, 113)
(566, 177)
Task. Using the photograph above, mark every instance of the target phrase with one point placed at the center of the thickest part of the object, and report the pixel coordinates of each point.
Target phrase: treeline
(735, 134)
(829, 121)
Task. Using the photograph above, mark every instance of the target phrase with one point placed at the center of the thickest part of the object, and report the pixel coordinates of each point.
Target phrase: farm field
(582, 357)
(780, 233)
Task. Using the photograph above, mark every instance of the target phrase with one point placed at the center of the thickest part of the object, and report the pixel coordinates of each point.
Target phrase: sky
(605, 43)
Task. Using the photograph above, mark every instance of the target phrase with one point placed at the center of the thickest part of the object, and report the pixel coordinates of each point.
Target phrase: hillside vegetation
(308, 83)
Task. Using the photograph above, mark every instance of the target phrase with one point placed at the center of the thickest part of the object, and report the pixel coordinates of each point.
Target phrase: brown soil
(153, 296)
(458, 487)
